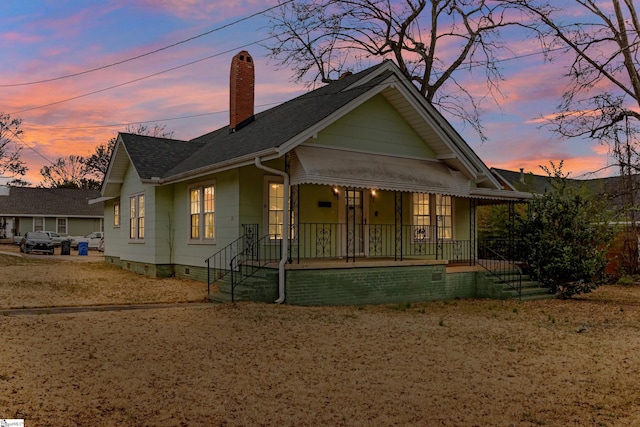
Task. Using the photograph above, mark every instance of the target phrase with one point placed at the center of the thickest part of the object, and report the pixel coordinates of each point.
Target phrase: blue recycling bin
(83, 248)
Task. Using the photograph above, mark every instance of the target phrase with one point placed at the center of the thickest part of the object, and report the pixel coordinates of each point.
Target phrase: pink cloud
(206, 9)
(14, 37)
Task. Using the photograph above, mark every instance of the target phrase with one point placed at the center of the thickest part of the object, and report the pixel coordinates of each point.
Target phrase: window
(38, 224)
(116, 214)
(276, 210)
(424, 208)
(421, 220)
(61, 225)
(445, 219)
(202, 213)
(136, 217)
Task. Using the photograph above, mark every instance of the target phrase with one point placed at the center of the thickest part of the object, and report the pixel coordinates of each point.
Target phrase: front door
(354, 226)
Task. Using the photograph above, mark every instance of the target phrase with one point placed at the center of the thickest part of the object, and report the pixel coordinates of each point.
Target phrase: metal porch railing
(242, 258)
(500, 258)
(350, 241)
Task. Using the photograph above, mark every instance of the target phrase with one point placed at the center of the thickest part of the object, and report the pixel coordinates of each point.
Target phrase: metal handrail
(242, 258)
(502, 268)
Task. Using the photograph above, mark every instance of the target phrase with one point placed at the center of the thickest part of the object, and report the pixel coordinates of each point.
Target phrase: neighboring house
(357, 192)
(63, 210)
(621, 195)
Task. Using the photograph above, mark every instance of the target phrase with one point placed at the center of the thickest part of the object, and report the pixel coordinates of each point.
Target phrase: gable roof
(62, 202)
(274, 132)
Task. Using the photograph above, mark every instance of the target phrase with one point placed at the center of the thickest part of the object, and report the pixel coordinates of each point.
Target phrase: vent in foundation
(128, 265)
(186, 270)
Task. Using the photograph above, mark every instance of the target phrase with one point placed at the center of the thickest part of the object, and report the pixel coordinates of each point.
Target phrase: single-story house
(62, 210)
(356, 192)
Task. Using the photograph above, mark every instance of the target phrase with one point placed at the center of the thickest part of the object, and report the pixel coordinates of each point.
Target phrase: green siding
(375, 127)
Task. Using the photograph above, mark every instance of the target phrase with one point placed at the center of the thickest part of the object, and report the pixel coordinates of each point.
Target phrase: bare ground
(461, 363)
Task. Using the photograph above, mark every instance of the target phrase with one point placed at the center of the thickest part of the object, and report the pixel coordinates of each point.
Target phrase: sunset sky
(185, 87)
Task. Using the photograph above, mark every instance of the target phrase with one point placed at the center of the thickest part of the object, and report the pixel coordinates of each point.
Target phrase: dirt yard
(461, 363)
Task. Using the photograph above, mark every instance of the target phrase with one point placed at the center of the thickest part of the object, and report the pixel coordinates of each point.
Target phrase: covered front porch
(341, 227)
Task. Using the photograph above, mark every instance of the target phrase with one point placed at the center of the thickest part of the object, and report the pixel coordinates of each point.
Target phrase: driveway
(14, 250)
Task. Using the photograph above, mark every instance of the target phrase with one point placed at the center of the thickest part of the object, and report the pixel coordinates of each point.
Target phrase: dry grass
(461, 363)
(44, 281)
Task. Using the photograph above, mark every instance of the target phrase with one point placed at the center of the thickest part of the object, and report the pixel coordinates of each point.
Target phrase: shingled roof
(165, 158)
(62, 202)
(613, 189)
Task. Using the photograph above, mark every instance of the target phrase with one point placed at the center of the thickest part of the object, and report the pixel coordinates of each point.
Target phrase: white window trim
(136, 239)
(276, 179)
(66, 226)
(119, 224)
(33, 223)
(434, 218)
(202, 240)
(453, 216)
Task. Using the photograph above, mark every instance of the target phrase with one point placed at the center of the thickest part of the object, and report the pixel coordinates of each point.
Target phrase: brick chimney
(241, 91)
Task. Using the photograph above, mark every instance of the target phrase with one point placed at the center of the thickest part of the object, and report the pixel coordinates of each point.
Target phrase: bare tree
(67, 172)
(98, 162)
(429, 40)
(602, 98)
(11, 164)
(603, 82)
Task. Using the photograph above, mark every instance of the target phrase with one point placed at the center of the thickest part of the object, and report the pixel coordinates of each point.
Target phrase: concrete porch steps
(257, 288)
(530, 289)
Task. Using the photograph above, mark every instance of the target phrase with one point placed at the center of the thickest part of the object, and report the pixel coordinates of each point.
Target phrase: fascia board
(238, 162)
(447, 133)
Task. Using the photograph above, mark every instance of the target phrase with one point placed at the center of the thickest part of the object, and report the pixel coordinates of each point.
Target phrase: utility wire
(201, 60)
(135, 80)
(66, 76)
(26, 144)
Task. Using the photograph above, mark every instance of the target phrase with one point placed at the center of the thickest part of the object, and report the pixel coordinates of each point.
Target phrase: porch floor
(333, 263)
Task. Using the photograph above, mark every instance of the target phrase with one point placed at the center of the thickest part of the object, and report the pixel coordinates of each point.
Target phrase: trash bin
(65, 247)
(83, 248)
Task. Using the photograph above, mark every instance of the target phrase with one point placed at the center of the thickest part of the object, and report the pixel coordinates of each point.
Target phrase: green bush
(567, 236)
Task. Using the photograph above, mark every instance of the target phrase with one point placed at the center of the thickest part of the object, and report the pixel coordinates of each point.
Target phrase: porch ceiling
(317, 165)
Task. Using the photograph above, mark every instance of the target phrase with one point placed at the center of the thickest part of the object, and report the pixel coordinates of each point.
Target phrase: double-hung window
(202, 212)
(444, 216)
(116, 214)
(421, 220)
(61, 225)
(276, 210)
(38, 224)
(136, 217)
(426, 207)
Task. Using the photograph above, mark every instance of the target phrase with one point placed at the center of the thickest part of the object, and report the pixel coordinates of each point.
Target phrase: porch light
(336, 192)
(373, 195)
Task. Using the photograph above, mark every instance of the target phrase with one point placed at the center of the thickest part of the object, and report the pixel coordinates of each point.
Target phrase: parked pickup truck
(17, 239)
(52, 234)
(92, 238)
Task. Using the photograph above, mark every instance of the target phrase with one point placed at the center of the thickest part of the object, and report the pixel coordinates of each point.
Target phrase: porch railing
(502, 259)
(349, 241)
(242, 258)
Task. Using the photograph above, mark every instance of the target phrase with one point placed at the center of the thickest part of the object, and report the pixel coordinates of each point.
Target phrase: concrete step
(529, 291)
(251, 289)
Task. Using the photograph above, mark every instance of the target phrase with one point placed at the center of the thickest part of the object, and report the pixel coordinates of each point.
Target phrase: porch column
(511, 236)
(398, 224)
(472, 231)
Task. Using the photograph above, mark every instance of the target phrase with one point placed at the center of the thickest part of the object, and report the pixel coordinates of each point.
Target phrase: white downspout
(285, 228)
